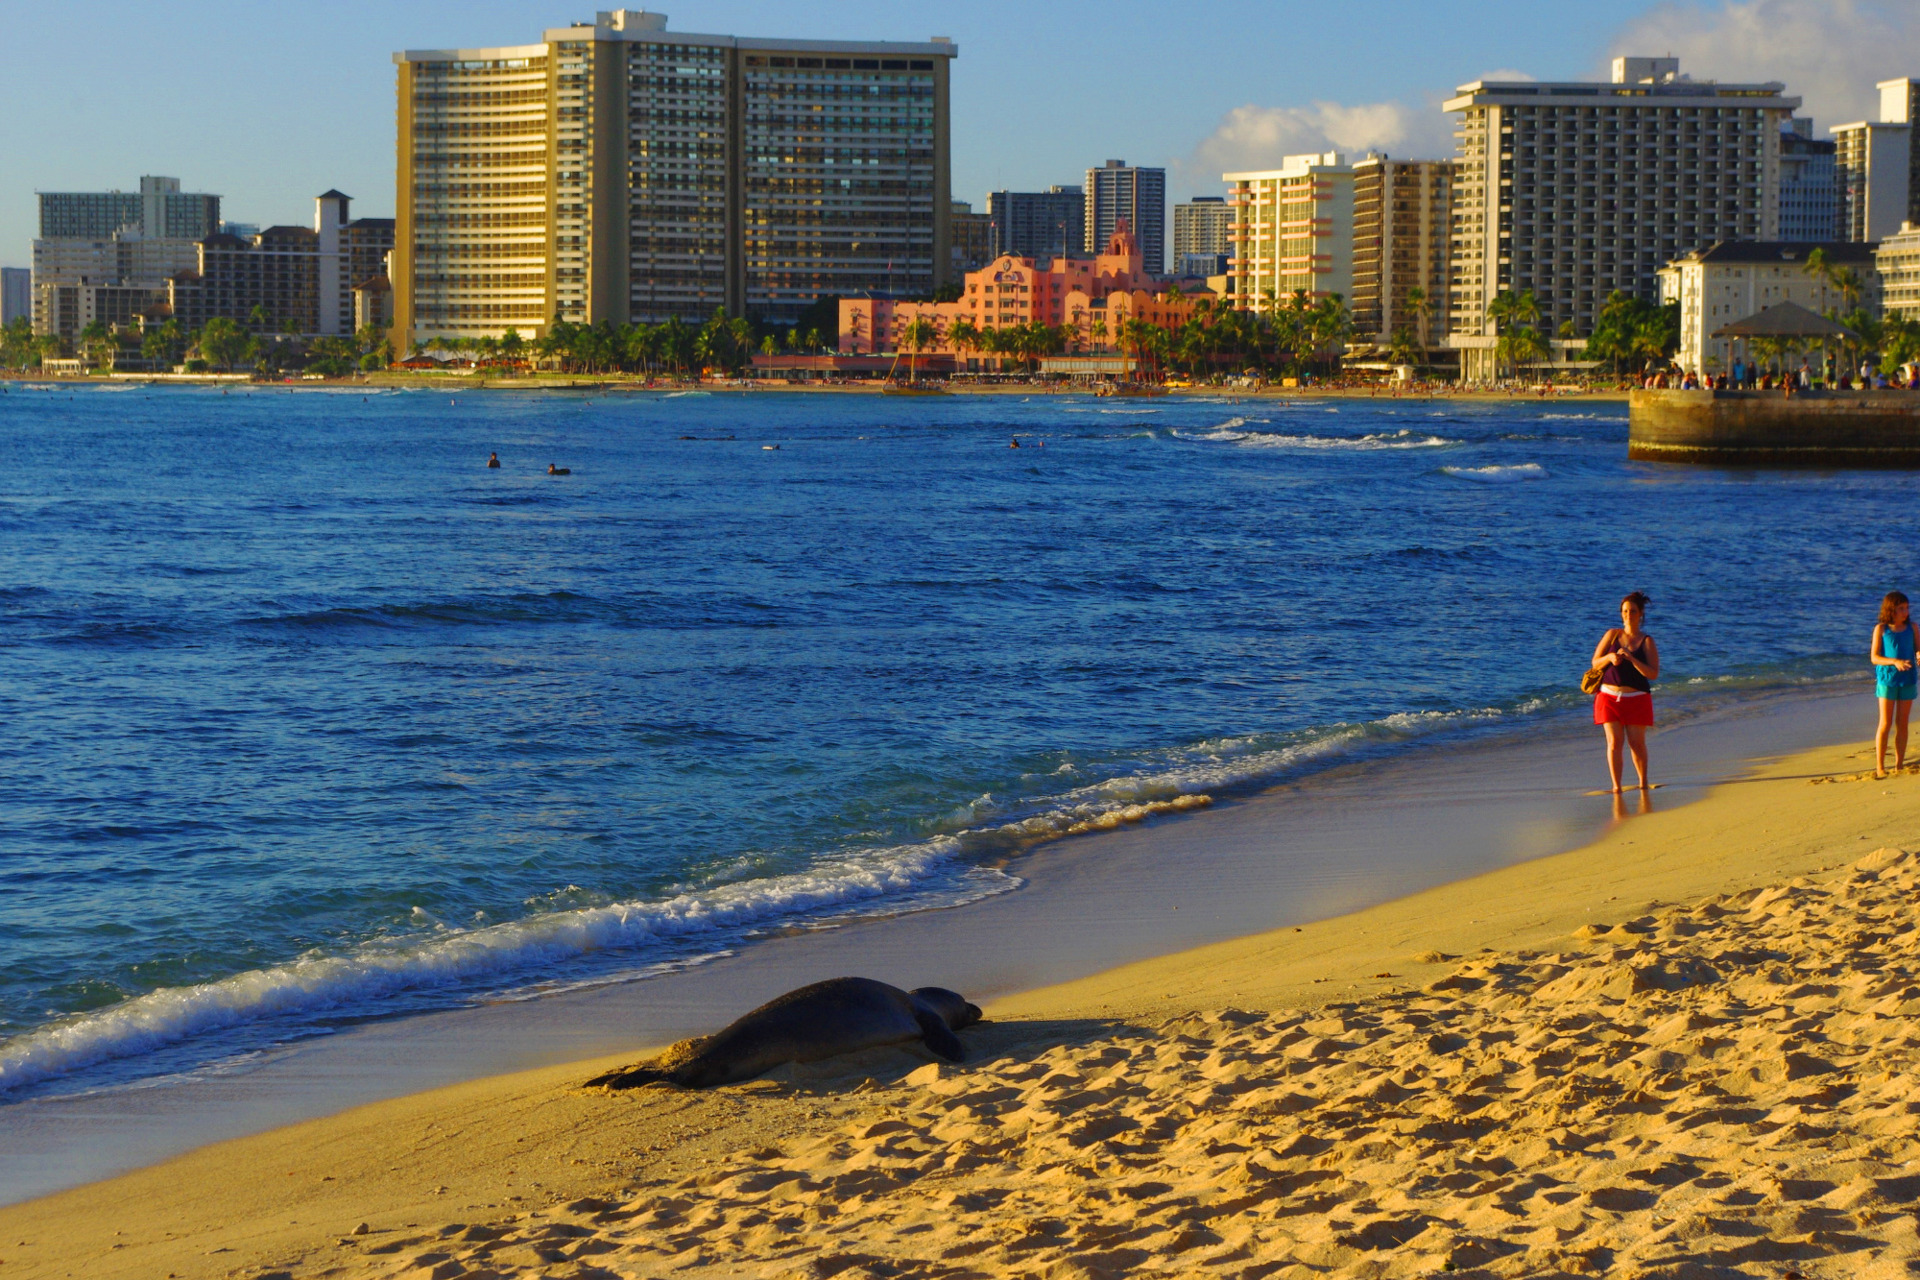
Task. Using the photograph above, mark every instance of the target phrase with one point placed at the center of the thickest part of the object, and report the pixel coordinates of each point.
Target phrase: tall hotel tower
(1574, 190)
(623, 172)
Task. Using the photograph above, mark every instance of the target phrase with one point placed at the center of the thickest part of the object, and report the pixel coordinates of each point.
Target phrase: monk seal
(840, 1015)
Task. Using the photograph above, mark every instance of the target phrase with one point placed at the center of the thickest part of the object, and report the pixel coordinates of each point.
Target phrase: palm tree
(964, 335)
(1403, 348)
(1520, 345)
(1422, 307)
(918, 333)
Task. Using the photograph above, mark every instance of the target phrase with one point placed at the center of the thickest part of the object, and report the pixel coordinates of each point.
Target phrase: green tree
(1522, 345)
(916, 335)
(223, 342)
(20, 347)
(1421, 305)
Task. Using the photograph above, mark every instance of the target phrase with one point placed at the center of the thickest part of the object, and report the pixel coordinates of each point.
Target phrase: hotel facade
(1095, 297)
(1574, 190)
(619, 171)
(1292, 231)
(1402, 216)
(1726, 283)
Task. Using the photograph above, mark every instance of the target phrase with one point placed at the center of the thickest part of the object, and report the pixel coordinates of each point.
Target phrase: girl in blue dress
(1895, 680)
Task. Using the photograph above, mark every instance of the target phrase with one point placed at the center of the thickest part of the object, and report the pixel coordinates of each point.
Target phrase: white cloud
(1829, 52)
(1256, 137)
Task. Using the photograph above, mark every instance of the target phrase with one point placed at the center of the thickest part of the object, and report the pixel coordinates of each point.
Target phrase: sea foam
(472, 958)
(1499, 475)
(949, 868)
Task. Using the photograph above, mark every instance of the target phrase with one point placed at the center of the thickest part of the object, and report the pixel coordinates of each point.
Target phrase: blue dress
(1891, 682)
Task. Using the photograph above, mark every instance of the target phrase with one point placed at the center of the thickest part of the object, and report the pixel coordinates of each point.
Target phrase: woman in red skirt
(1624, 705)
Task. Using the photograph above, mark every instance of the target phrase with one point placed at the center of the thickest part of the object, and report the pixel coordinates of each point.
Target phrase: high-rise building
(972, 239)
(1574, 190)
(1900, 104)
(351, 251)
(133, 268)
(1292, 231)
(158, 211)
(1118, 191)
(1809, 194)
(619, 171)
(1202, 226)
(125, 243)
(1402, 218)
(16, 294)
(1039, 224)
(300, 279)
(1875, 167)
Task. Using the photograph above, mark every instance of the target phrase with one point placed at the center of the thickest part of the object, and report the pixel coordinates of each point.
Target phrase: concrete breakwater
(1770, 428)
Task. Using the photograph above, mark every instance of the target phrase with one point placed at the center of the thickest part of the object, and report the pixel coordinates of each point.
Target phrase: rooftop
(1845, 252)
(1633, 78)
(640, 25)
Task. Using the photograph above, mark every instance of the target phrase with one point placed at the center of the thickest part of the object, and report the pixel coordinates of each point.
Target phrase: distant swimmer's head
(1893, 609)
(1633, 608)
(552, 470)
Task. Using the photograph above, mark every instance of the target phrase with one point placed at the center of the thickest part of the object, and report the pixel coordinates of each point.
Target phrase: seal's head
(950, 1005)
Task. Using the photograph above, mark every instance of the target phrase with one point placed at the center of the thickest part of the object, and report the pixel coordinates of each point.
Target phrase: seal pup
(840, 1015)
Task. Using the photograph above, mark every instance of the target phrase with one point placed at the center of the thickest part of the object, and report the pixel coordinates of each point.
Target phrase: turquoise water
(312, 718)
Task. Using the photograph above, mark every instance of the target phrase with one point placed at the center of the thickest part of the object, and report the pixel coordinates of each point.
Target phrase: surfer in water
(493, 460)
(553, 470)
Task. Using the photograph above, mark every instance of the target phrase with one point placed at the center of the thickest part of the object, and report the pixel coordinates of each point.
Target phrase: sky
(269, 105)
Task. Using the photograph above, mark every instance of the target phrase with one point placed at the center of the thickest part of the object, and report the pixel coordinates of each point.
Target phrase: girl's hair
(1893, 601)
(1638, 599)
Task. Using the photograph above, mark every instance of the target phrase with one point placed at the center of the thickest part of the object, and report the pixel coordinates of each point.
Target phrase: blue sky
(269, 105)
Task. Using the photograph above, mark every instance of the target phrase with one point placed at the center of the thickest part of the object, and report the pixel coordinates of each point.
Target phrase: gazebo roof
(1785, 320)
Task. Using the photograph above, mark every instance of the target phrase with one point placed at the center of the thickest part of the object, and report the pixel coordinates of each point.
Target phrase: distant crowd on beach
(1747, 376)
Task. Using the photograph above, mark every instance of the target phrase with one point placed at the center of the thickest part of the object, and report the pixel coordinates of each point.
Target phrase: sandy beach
(1684, 1048)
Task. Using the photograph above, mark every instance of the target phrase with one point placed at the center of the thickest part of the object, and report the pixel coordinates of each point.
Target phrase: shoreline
(534, 1146)
(1299, 853)
(606, 383)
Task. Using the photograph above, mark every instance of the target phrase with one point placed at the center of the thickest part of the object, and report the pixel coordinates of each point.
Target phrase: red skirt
(1607, 709)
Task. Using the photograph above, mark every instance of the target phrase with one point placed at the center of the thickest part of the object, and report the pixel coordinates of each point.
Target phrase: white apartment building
(1898, 261)
(1572, 190)
(132, 268)
(619, 171)
(1730, 282)
(1203, 225)
(1292, 231)
(1874, 166)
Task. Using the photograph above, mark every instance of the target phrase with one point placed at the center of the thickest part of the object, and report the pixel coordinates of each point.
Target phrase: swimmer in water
(493, 459)
(553, 470)
(1015, 443)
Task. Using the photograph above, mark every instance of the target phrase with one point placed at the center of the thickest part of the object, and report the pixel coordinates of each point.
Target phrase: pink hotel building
(1094, 295)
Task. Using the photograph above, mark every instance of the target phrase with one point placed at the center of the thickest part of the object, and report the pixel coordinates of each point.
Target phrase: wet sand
(1142, 1046)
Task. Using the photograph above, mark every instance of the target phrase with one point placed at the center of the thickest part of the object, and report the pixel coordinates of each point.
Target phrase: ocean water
(310, 718)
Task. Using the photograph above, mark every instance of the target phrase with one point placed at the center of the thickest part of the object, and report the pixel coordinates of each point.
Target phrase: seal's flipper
(630, 1078)
(938, 1036)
